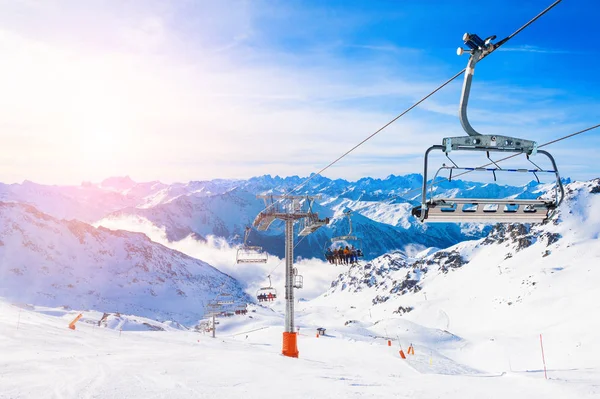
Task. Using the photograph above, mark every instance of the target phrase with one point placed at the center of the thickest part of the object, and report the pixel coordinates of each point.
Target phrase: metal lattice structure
(290, 209)
(435, 209)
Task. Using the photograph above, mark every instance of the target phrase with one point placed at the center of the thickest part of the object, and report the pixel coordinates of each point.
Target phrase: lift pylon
(290, 208)
(213, 308)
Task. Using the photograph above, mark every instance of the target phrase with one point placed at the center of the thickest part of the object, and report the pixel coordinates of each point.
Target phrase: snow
(43, 358)
(475, 313)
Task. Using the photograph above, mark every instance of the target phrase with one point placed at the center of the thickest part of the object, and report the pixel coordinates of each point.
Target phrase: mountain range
(52, 255)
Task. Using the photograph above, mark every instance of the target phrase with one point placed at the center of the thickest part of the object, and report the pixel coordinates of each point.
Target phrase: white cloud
(218, 253)
(180, 91)
(534, 49)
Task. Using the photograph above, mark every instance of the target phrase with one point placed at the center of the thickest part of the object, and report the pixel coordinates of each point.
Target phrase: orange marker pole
(72, 324)
(543, 359)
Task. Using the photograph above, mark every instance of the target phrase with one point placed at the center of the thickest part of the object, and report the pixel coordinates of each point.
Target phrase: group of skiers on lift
(266, 297)
(343, 256)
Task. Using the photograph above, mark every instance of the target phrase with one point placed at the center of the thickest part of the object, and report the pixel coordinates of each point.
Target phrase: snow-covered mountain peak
(118, 183)
(54, 262)
(508, 249)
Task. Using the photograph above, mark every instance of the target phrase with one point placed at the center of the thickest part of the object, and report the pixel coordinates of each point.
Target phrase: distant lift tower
(213, 308)
(290, 208)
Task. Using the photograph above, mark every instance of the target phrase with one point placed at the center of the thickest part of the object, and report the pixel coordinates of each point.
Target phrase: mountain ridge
(54, 262)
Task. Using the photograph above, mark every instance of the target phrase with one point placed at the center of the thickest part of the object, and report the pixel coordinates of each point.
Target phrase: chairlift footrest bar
(469, 210)
(489, 143)
(489, 201)
(251, 261)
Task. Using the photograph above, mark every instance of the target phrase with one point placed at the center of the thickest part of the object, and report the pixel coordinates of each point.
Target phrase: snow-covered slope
(43, 358)
(474, 312)
(46, 261)
(517, 282)
(221, 215)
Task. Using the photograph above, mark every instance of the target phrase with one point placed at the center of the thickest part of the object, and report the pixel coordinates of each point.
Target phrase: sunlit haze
(191, 90)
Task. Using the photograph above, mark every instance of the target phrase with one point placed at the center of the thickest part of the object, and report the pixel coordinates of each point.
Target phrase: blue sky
(187, 90)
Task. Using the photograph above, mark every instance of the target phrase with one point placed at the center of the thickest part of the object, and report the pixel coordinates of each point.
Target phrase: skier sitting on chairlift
(353, 255)
(329, 255)
(340, 256)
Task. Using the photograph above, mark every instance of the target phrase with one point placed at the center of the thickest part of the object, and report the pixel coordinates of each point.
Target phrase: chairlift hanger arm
(246, 235)
(478, 49)
(349, 222)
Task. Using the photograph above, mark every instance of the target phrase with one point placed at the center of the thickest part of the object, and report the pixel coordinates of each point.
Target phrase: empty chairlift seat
(488, 210)
(251, 255)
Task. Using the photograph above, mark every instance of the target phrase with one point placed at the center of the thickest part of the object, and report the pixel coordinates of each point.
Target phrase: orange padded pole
(290, 344)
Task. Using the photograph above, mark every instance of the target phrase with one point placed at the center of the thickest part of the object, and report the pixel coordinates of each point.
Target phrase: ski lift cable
(496, 46)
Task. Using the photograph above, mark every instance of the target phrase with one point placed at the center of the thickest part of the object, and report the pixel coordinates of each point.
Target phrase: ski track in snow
(44, 359)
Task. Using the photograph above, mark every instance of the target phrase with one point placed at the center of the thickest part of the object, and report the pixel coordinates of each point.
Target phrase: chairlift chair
(240, 308)
(250, 254)
(265, 294)
(484, 210)
(311, 223)
(298, 281)
(213, 307)
(348, 239)
(225, 298)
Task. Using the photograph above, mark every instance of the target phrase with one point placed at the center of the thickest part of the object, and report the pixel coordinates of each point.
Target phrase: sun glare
(100, 151)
